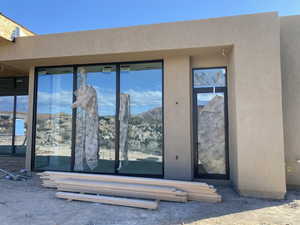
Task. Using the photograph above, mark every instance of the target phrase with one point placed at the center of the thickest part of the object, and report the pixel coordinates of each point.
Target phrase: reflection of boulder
(211, 136)
(124, 118)
(144, 131)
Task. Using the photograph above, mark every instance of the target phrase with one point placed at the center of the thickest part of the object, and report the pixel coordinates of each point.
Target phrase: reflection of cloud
(61, 97)
(61, 101)
(55, 102)
(6, 103)
(145, 98)
(106, 97)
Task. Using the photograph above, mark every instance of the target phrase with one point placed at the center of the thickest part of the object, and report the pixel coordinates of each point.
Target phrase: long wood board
(146, 204)
(121, 186)
(124, 193)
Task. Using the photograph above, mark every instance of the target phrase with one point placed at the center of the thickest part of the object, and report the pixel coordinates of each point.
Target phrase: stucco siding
(290, 63)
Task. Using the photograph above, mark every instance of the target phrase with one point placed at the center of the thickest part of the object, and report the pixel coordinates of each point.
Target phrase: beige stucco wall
(290, 63)
(177, 118)
(7, 27)
(255, 106)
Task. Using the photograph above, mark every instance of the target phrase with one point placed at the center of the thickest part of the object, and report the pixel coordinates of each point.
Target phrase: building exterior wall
(290, 64)
(7, 27)
(252, 46)
(177, 118)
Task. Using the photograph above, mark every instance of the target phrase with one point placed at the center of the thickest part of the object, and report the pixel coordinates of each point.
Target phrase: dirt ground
(27, 203)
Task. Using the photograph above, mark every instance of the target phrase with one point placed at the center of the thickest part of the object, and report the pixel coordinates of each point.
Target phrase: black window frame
(195, 91)
(74, 112)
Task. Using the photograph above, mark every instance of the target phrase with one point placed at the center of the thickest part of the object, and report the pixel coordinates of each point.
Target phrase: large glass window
(210, 97)
(54, 119)
(6, 124)
(95, 119)
(116, 113)
(140, 117)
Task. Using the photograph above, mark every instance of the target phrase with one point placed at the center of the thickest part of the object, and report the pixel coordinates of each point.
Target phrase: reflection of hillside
(145, 131)
(153, 115)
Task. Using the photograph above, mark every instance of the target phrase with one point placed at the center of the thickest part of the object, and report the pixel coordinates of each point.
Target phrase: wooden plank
(121, 186)
(205, 198)
(138, 203)
(183, 185)
(134, 194)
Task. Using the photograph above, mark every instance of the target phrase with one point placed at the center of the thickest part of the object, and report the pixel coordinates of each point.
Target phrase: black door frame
(195, 124)
(74, 112)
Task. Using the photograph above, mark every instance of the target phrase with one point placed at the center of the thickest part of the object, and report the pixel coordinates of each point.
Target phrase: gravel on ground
(27, 203)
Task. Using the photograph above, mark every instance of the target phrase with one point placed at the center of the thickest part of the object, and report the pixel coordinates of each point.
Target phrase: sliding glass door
(53, 120)
(140, 116)
(95, 119)
(100, 119)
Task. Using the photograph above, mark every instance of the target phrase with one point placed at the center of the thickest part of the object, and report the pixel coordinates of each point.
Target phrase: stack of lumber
(124, 186)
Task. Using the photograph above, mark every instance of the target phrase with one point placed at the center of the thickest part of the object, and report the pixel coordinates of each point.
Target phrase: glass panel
(21, 124)
(54, 119)
(141, 119)
(211, 133)
(95, 121)
(209, 78)
(6, 124)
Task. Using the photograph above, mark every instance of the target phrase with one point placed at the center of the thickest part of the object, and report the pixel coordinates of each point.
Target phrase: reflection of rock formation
(211, 136)
(144, 132)
(204, 79)
(152, 115)
(87, 146)
(53, 129)
(124, 118)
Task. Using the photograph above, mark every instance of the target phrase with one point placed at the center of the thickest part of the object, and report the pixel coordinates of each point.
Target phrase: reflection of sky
(55, 93)
(204, 98)
(20, 127)
(22, 103)
(7, 103)
(144, 88)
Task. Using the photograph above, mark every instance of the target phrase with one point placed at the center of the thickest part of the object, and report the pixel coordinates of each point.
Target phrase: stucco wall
(177, 118)
(290, 64)
(255, 106)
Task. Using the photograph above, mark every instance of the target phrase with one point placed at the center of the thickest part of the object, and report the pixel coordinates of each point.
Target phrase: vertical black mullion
(117, 131)
(74, 114)
(226, 127)
(14, 126)
(195, 113)
(163, 119)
